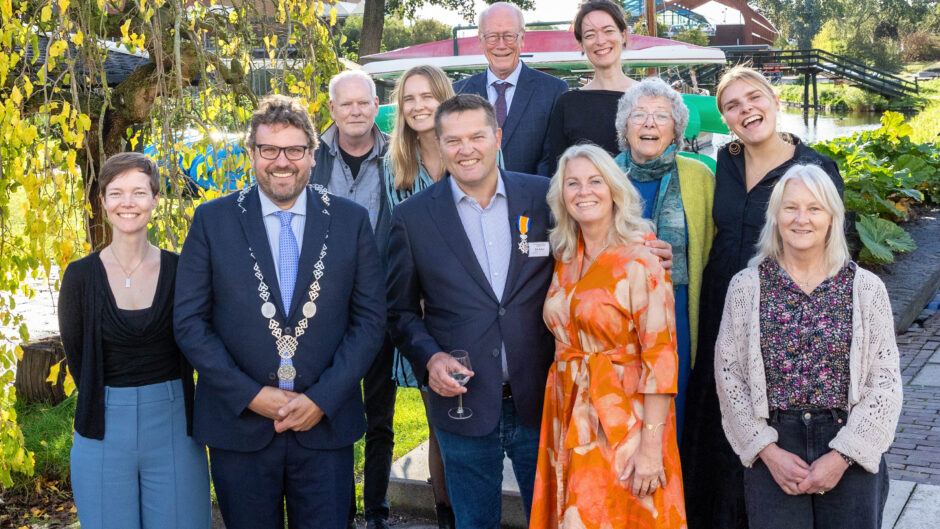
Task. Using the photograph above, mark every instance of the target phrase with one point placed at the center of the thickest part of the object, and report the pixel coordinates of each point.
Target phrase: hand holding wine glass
(439, 367)
(461, 374)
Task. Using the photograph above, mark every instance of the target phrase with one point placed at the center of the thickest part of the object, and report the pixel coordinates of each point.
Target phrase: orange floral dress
(619, 343)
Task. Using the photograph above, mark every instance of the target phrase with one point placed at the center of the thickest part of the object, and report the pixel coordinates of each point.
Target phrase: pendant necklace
(127, 275)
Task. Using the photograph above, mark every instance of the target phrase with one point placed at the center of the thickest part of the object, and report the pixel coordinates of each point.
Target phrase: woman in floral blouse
(806, 367)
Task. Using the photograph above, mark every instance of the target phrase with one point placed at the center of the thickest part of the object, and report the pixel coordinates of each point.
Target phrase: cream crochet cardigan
(874, 384)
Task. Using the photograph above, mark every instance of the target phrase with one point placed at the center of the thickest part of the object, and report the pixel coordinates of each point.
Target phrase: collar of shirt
(513, 80)
(459, 195)
(268, 207)
(331, 138)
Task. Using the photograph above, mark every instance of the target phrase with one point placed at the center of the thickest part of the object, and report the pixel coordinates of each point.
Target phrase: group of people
(651, 345)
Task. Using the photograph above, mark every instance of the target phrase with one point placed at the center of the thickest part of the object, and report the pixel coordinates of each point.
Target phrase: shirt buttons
(807, 416)
(272, 376)
(495, 353)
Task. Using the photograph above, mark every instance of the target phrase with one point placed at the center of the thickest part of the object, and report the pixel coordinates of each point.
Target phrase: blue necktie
(288, 256)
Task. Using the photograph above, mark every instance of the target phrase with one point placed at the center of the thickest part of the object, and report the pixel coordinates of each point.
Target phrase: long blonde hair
(403, 143)
(628, 221)
(770, 244)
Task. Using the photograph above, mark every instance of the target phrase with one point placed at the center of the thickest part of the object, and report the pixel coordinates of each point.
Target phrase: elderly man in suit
(279, 308)
(469, 266)
(523, 97)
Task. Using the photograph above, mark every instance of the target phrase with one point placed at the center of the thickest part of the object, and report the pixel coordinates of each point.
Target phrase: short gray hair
(770, 244)
(351, 74)
(651, 87)
(497, 5)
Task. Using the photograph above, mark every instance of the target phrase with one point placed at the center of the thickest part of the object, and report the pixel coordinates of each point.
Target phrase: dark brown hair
(277, 109)
(462, 103)
(612, 9)
(126, 161)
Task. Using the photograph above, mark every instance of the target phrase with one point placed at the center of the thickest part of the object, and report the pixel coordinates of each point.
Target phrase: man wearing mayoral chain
(280, 308)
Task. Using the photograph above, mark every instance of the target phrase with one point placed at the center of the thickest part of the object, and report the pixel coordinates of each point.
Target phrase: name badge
(539, 249)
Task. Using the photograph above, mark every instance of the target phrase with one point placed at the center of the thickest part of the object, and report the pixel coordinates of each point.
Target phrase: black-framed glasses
(639, 117)
(508, 38)
(292, 152)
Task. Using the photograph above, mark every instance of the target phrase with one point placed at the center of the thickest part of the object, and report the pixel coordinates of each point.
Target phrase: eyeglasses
(639, 117)
(292, 153)
(508, 38)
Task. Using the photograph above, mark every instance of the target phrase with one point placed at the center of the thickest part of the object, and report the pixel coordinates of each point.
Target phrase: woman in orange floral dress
(608, 457)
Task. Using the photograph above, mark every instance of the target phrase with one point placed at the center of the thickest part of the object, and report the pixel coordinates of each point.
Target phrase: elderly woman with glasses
(806, 367)
(677, 197)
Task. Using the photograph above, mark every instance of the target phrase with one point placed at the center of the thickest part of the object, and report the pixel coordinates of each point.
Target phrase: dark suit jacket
(430, 259)
(220, 329)
(525, 132)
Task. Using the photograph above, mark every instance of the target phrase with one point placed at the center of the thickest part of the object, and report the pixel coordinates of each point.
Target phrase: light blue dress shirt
(513, 80)
(272, 224)
(490, 237)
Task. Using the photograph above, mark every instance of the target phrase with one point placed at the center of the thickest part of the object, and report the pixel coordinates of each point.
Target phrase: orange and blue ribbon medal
(523, 225)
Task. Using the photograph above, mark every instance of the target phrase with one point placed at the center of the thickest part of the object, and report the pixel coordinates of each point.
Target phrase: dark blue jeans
(857, 501)
(473, 467)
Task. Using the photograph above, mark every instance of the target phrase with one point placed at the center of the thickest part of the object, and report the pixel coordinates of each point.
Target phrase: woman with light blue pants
(134, 463)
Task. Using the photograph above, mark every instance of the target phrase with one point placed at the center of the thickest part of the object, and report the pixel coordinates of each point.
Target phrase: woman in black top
(133, 461)
(747, 170)
(588, 115)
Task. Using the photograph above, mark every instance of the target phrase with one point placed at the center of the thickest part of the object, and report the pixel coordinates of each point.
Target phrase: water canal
(813, 127)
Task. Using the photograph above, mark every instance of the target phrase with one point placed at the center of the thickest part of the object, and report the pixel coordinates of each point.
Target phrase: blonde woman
(413, 163)
(807, 368)
(608, 456)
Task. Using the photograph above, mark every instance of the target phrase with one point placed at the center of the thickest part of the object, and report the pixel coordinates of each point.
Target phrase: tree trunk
(33, 369)
(373, 22)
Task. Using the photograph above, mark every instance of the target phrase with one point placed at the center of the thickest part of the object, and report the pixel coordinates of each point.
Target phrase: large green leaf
(882, 239)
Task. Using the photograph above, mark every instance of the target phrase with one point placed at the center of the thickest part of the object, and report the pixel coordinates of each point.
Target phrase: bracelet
(652, 427)
(848, 460)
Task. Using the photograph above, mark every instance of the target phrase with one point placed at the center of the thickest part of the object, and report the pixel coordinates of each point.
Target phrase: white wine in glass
(460, 412)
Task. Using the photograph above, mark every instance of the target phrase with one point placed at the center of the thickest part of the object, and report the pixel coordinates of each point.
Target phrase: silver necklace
(127, 275)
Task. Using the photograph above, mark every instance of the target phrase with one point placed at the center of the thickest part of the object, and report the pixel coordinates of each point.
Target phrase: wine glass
(464, 358)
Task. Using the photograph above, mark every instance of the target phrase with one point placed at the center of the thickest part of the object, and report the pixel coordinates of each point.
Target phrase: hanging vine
(64, 109)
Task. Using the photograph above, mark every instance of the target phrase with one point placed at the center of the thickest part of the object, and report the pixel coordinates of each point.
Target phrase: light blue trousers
(146, 473)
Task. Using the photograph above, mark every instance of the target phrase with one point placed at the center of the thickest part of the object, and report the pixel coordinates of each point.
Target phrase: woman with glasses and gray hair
(806, 367)
(677, 197)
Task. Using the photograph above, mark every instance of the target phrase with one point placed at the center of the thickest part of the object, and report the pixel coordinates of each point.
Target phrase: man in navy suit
(522, 97)
(469, 266)
(279, 307)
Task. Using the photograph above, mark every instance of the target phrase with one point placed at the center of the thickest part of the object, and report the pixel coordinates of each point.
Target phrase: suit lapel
(521, 96)
(253, 226)
(444, 215)
(316, 227)
(518, 207)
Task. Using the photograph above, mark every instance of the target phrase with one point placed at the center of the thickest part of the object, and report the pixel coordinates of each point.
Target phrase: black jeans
(857, 501)
(379, 392)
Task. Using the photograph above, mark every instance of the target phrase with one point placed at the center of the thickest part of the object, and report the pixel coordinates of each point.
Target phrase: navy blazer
(525, 132)
(220, 329)
(430, 259)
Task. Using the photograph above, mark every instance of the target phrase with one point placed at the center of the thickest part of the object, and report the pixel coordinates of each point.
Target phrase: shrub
(885, 174)
(920, 46)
